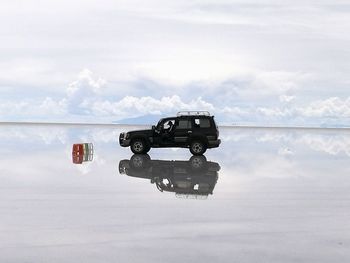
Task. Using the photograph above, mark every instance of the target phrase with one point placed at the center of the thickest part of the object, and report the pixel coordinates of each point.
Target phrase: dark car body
(197, 132)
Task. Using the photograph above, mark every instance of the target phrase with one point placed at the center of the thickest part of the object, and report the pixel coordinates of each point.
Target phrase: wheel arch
(140, 137)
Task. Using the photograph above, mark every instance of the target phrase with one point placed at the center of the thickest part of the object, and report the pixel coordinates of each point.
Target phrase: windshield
(159, 123)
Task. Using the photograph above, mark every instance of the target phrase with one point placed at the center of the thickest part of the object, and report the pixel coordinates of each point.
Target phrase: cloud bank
(84, 100)
(249, 62)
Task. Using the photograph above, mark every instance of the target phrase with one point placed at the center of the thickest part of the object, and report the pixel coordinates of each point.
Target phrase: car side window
(168, 124)
(201, 123)
(184, 124)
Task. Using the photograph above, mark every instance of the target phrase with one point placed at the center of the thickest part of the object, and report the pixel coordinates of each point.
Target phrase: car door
(166, 135)
(183, 129)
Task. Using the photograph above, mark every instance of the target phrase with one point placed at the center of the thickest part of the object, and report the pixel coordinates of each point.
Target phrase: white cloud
(333, 107)
(86, 101)
(232, 111)
(83, 91)
(84, 84)
(272, 112)
(12, 108)
(171, 41)
(30, 110)
(132, 106)
(278, 81)
(285, 152)
(248, 61)
(333, 144)
(286, 98)
(51, 107)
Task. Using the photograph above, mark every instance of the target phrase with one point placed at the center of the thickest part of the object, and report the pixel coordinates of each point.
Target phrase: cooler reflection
(194, 179)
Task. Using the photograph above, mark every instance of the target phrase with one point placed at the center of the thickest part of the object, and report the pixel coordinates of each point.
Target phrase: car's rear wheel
(197, 147)
(198, 162)
(139, 146)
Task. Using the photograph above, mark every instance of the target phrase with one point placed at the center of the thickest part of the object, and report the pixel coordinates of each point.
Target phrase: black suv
(195, 130)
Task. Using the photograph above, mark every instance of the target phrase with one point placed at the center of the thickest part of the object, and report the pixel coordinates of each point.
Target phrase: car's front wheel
(139, 146)
(198, 148)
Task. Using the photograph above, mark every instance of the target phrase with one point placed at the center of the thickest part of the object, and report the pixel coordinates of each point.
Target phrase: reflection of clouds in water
(86, 167)
(105, 135)
(46, 134)
(101, 135)
(233, 138)
(22, 167)
(275, 137)
(51, 134)
(99, 160)
(259, 135)
(248, 166)
(280, 167)
(331, 144)
(13, 133)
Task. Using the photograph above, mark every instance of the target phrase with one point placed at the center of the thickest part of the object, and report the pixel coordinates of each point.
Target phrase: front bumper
(123, 141)
(214, 144)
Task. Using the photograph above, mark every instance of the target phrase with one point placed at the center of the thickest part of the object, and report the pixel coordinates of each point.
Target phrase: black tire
(139, 146)
(197, 147)
(198, 162)
(139, 161)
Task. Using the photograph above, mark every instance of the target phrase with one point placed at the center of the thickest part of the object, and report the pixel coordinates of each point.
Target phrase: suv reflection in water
(194, 179)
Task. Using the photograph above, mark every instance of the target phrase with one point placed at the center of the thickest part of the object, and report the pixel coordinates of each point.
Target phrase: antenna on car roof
(193, 113)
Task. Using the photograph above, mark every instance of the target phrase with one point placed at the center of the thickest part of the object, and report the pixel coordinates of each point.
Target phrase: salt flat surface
(281, 195)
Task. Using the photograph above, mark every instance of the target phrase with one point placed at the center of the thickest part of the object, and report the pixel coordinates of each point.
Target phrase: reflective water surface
(265, 195)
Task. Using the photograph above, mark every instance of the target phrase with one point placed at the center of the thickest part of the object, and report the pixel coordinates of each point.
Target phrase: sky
(248, 62)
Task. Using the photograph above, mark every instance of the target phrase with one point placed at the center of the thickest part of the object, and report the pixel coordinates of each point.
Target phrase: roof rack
(193, 113)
